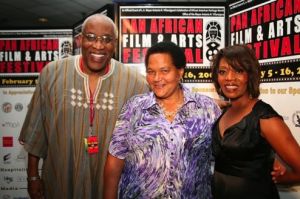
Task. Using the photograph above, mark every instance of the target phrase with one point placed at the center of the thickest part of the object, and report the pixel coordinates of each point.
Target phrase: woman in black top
(248, 133)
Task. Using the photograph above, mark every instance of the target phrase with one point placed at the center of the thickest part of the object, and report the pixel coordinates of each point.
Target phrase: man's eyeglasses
(105, 39)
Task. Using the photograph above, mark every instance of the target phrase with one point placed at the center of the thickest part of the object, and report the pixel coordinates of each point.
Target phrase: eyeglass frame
(91, 37)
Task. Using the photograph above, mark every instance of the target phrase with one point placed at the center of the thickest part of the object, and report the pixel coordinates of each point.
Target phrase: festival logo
(213, 38)
(66, 49)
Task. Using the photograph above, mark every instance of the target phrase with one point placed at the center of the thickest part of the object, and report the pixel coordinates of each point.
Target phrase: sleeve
(119, 143)
(265, 111)
(214, 110)
(33, 134)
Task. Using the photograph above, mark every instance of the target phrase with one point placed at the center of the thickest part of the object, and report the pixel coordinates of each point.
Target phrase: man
(72, 115)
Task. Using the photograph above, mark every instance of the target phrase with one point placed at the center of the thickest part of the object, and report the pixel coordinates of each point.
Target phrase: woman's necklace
(169, 114)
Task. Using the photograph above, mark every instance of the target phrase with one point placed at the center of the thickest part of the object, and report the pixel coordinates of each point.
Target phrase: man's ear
(78, 41)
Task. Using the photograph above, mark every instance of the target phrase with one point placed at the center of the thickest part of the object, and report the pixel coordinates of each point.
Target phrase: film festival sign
(199, 31)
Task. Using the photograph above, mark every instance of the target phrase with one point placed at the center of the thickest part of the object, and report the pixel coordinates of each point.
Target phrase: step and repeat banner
(23, 54)
(198, 29)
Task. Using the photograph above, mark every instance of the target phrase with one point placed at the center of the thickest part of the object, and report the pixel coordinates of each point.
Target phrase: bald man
(72, 115)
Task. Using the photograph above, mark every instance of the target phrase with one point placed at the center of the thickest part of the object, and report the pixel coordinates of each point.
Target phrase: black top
(243, 158)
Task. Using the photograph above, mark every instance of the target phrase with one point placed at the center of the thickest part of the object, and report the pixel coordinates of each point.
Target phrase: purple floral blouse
(163, 159)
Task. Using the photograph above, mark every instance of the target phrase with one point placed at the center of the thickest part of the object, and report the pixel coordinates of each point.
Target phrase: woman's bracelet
(33, 178)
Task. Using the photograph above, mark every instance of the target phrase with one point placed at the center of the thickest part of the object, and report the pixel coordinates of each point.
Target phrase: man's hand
(278, 170)
(222, 103)
(36, 189)
(35, 183)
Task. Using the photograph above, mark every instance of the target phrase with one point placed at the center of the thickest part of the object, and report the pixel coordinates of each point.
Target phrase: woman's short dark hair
(176, 53)
(239, 57)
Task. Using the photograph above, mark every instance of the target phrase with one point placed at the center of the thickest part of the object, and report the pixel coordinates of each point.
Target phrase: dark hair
(176, 53)
(239, 57)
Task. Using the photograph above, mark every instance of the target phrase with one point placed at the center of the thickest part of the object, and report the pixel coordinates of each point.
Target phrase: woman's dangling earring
(229, 102)
(220, 91)
(181, 80)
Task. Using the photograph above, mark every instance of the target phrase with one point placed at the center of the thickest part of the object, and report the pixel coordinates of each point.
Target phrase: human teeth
(97, 55)
(158, 86)
(231, 87)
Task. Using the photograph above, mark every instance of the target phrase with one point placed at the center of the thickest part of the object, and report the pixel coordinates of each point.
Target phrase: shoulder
(129, 71)
(203, 102)
(54, 70)
(264, 110)
(140, 100)
(61, 63)
(136, 104)
(120, 66)
(200, 99)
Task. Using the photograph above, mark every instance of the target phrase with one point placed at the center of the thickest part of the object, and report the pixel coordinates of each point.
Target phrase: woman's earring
(220, 91)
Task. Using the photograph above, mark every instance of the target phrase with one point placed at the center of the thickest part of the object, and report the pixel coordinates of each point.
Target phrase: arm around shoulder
(222, 103)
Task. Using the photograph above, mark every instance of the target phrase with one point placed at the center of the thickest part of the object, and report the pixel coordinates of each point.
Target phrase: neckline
(235, 124)
(170, 115)
(82, 68)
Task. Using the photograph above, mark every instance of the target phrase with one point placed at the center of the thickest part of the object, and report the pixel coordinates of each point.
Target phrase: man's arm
(35, 185)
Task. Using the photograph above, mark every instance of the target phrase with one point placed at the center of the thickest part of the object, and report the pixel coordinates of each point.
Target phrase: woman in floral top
(161, 143)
